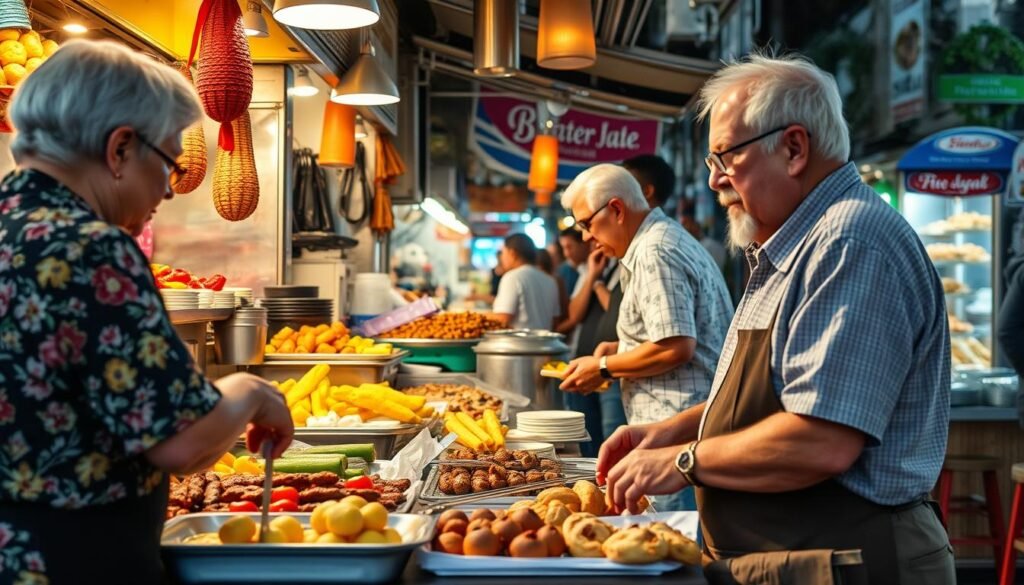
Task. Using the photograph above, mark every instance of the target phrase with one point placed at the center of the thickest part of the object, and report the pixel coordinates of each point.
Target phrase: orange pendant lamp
(338, 142)
(544, 167)
(565, 35)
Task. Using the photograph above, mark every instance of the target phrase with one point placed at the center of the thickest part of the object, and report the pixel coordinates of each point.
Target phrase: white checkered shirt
(671, 288)
(861, 337)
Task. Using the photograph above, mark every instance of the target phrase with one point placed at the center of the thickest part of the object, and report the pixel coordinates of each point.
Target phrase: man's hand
(643, 472)
(583, 376)
(617, 446)
(596, 263)
(606, 348)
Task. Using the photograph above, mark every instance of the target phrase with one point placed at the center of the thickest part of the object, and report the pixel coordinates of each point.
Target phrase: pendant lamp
(253, 22)
(366, 83)
(14, 14)
(326, 14)
(338, 141)
(303, 86)
(544, 165)
(565, 35)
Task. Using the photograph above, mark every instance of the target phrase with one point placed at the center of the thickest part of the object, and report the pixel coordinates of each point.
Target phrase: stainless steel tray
(431, 493)
(512, 402)
(353, 372)
(287, 563)
(387, 441)
(432, 343)
(331, 359)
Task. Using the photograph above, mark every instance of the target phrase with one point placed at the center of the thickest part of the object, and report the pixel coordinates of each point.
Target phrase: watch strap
(603, 364)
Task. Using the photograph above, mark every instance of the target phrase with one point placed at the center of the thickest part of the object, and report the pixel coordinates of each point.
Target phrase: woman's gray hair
(65, 110)
(600, 183)
(780, 91)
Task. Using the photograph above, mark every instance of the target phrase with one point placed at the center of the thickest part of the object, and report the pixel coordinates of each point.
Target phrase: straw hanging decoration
(389, 167)
(236, 186)
(193, 152)
(224, 80)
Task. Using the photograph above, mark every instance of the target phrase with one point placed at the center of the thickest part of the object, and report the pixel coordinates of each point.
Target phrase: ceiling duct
(496, 38)
(338, 50)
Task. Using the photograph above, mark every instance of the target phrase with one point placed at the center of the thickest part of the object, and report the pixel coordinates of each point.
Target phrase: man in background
(527, 297)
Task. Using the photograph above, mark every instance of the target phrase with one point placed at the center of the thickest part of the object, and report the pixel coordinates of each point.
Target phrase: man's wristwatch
(686, 463)
(603, 364)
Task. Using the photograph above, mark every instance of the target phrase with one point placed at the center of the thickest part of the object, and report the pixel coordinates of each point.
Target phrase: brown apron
(823, 516)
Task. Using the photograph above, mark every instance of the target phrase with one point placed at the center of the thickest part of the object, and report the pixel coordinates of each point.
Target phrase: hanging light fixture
(544, 167)
(366, 83)
(338, 141)
(253, 22)
(326, 14)
(495, 38)
(75, 28)
(14, 14)
(303, 84)
(360, 128)
(565, 35)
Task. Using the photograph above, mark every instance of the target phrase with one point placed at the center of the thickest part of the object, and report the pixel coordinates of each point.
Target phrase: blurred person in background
(100, 400)
(547, 266)
(1011, 313)
(575, 252)
(527, 297)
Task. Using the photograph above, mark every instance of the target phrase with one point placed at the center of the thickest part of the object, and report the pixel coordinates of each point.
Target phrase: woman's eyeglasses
(177, 171)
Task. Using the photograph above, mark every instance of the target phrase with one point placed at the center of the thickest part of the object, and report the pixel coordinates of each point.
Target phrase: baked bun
(635, 546)
(680, 547)
(584, 533)
(591, 497)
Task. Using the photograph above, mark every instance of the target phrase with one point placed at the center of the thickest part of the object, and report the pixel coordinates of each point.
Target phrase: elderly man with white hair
(675, 308)
(826, 426)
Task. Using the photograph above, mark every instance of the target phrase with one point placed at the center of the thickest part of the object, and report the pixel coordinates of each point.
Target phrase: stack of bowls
(241, 339)
(180, 299)
(303, 308)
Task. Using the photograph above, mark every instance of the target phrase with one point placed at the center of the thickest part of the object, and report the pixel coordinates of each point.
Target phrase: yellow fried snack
(635, 546)
(585, 533)
(680, 548)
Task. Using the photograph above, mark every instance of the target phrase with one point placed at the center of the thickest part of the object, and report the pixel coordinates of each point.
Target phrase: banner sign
(982, 88)
(908, 41)
(504, 128)
(960, 162)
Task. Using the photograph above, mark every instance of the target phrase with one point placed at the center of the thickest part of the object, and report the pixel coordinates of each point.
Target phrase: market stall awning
(964, 161)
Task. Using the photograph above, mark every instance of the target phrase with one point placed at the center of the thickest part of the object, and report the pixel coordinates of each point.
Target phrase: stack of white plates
(224, 299)
(551, 425)
(177, 299)
(243, 295)
(205, 298)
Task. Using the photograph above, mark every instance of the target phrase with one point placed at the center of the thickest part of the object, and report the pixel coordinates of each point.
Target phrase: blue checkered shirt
(861, 336)
(671, 287)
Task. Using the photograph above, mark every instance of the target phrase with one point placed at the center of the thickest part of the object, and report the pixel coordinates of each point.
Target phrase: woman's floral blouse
(92, 373)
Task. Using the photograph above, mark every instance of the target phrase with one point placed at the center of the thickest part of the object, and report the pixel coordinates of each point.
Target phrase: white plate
(466, 566)
(549, 415)
(518, 436)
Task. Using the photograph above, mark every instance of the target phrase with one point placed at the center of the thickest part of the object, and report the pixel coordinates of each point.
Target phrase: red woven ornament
(224, 80)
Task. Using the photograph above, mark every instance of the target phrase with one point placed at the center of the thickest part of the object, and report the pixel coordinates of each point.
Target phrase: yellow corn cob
(492, 425)
(413, 403)
(386, 408)
(287, 385)
(319, 399)
(308, 383)
(474, 428)
(466, 437)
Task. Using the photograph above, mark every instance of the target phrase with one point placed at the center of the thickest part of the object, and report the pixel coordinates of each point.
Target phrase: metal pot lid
(522, 342)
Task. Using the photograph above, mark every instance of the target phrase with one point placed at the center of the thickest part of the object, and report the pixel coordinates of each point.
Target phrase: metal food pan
(287, 563)
(511, 401)
(386, 441)
(351, 372)
(337, 358)
(432, 343)
(431, 493)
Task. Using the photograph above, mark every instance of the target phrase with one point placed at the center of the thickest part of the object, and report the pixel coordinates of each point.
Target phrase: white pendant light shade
(303, 85)
(366, 83)
(253, 22)
(326, 14)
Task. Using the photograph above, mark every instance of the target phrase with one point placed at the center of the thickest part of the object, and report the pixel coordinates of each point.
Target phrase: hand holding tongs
(268, 486)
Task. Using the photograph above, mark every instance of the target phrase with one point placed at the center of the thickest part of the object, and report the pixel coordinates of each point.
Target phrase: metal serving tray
(355, 371)
(335, 358)
(511, 402)
(287, 563)
(432, 343)
(431, 493)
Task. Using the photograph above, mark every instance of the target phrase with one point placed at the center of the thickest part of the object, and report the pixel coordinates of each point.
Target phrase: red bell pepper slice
(179, 275)
(284, 493)
(215, 282)
(243, 507)
(359, 483)
(284, 506)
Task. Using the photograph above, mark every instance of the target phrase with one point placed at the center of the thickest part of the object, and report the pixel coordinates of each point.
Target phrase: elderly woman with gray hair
(99, 398)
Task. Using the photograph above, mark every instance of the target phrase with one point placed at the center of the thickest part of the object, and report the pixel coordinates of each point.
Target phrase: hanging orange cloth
(389, 167)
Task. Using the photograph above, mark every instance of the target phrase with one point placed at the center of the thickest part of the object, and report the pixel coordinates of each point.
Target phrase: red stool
(1013, 543)
(990, 506)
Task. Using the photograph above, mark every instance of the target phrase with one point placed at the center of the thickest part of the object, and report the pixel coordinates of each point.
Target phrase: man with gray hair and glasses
(826, 426)
(675, 307)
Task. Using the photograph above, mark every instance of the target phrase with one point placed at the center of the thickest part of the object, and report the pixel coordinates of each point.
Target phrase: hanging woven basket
(236, 186)
(193, 152)
(224, 79)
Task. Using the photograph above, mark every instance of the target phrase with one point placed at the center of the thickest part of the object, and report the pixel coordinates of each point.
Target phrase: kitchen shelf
(189, 316)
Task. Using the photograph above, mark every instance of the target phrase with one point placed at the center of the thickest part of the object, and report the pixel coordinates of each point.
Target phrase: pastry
(635, 546)
(680, 547)
(562, 494)
(553, 513)
(584, 533)
(521, 504)
(591, 497)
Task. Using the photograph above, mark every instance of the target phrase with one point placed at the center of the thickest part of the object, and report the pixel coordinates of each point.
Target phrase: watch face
(683, 461)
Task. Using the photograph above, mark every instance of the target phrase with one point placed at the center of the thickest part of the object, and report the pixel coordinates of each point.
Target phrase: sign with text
(908, 41)
(982, 88)
(504, 128)
(960, 162)
(955, 183)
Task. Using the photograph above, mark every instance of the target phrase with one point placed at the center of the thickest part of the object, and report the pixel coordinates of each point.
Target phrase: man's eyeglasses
(584, 224)
(714, 160)
(177, 171)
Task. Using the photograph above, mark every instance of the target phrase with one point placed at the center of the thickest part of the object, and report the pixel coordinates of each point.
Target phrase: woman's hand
(271, 420)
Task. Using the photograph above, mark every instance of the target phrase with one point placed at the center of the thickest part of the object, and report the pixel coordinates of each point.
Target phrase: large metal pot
(512, 359)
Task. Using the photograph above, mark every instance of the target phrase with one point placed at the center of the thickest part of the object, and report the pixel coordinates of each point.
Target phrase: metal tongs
(268, 486)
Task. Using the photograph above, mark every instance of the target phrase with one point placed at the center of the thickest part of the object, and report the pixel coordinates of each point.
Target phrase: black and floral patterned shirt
(92, 373)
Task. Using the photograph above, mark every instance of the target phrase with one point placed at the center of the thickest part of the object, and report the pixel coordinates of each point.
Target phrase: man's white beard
(743, 228)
